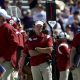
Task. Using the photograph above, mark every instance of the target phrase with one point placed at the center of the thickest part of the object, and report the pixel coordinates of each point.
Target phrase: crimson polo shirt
(8, 41)
(20, 46)
(39, 41)
(76, 41)
(62, 57)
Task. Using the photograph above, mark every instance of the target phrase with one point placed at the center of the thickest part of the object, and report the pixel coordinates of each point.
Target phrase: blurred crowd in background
(65, 26)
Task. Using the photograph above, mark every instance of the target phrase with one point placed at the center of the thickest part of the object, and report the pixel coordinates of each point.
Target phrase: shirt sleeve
(50, 42)
(12, 41)
(64, 50)
(76, 41)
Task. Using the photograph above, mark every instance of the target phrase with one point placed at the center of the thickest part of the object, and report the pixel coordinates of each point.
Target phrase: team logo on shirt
(30, 39)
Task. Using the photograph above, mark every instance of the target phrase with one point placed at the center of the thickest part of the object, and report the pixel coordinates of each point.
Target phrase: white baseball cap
(4, 14)
(39, 23)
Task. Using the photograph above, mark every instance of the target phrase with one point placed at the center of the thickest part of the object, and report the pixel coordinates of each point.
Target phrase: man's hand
(37, 48)
(2, 60)
(72, 66)
(46, 50)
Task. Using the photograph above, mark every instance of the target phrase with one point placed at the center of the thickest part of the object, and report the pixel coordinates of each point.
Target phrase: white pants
(64, 75)
(42, 72)
(10, 73)
(76, 74)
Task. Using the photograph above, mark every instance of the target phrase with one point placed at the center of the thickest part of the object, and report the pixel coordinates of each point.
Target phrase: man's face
(38, 28)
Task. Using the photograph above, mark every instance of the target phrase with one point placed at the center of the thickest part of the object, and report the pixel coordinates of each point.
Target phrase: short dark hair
(76, 13)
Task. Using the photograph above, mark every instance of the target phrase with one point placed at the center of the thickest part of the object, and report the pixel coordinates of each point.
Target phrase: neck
(38, 33)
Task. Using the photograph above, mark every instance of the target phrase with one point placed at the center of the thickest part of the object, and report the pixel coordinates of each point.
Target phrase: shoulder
(8, 27)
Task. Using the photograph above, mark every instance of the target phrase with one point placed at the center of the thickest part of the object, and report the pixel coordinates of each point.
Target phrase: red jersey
(39, 41)
(62, 56)
(8, 41)
(16, 56)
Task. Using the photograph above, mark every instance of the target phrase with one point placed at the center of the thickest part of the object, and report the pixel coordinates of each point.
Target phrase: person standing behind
(28, 20)
(12, 10)
(40, 48)
(39, 13)
(75, 57)
(62, 56)
(8, 44)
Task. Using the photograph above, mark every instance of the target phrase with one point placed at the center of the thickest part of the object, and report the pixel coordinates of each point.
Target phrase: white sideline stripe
(27, 2)
(25, 7)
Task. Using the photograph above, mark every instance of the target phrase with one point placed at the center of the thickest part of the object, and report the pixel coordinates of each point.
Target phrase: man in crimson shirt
(75, 67)
(8, 44)
(40, 47)
(62, 56)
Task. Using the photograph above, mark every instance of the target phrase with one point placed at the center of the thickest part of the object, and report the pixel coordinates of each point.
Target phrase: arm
(72, 54)
(39, 50)
(64, 50)
(33, 53)
(74, 44)
(21, 60)
(48, 49)
(45, 50)
(21, 63)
